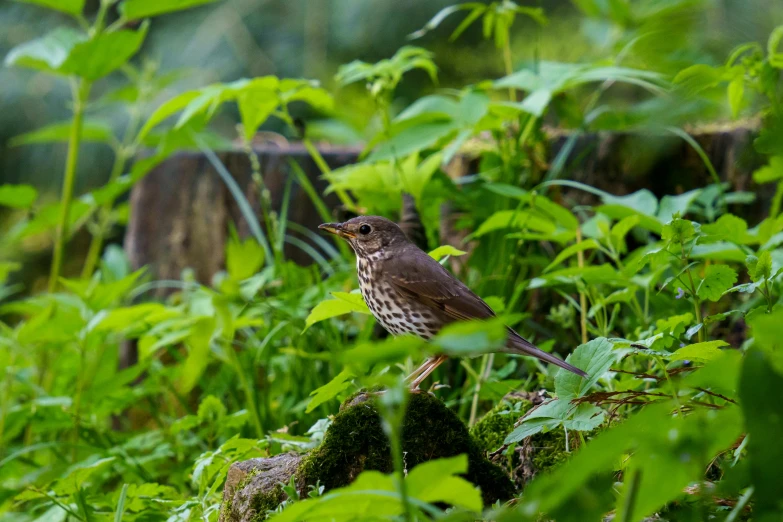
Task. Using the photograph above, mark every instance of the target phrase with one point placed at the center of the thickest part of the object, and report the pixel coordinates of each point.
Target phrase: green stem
(512, 95)
(675, 391)
(774, 209)
(696, 300)
(487, 360)
(80, 91)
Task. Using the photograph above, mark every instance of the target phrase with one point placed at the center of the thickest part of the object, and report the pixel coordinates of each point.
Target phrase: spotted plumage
(409, 292)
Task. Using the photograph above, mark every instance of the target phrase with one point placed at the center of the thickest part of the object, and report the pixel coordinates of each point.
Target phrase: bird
(409, 292)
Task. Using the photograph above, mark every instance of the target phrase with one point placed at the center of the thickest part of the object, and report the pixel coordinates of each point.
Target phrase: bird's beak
(337, 229)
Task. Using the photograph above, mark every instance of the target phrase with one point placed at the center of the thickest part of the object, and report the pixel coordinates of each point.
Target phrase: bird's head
(367, 235)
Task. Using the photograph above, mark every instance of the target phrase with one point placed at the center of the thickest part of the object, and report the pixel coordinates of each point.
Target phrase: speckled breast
(396, 313)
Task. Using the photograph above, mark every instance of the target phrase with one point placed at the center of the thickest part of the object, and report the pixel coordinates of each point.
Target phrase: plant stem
(80, 90)
(512, 95)
(696, 301)
(487, 360)
(675, 391)
(582, 299)
(249, 392)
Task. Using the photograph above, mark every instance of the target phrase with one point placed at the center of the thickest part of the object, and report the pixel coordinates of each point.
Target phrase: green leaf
(698, 78)
(437, 481)
(678, 230)
(198, 343)
(760, 267)
(17, 196)
(673, 205)
(167, 109)
(344, 303)
(595, 358)
(80, 476)
(330, 390)
(413, 139)
(47, 53)
(717, 279)
(466, 338)
(588, 244)
(446, 250)
(243, 258)
(728, 227)
(760, 387)
(701, 352)
(73, 7)
(136, 9)
(736, 94)
(773, 171)
(69, 52)
(256, 103)
(92, 131)
(520, 219)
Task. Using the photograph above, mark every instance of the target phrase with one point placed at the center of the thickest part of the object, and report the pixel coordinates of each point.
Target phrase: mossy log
(356, 442)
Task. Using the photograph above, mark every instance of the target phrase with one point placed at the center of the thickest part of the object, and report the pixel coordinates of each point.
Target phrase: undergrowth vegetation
(670, 304)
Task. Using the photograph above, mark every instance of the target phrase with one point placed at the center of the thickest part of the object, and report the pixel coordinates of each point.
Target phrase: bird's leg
(426, 369)
(420, 369)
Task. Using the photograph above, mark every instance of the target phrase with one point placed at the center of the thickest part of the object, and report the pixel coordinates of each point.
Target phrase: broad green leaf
(413, 139)
(767, 329)
(524, 219)
(446, 250)
(47, 53)
(760, 267)
(595, 358)
(642, 201)
(243, 258)
(198, 343)
(79, 476)
(717, 279)
(466, 338)
(736, 95)
(391, 350)
(136, 9)
(344, 303)
(676, 205)
(438, 481)
(588, 244)
(256, 102)
(92, 131)
(670, 451)
(330, 390)
(678, 230)
(760, 387)
(167, 109)
(701, 352)
(72, 7)
(70, 52)
(545, 417)
(17, 196)
(773, 171)
(728, 227)
(698, 78)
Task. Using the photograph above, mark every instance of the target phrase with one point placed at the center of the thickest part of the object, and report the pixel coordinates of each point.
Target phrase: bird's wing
(418, 276)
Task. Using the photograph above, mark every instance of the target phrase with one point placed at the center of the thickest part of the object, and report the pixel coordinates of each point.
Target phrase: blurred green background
(311, 38)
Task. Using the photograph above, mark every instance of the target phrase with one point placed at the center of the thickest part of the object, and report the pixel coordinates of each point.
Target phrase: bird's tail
(517, 344)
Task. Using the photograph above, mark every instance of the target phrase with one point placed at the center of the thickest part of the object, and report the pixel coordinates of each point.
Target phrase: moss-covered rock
(355, 442)
(253, 487)
(491, 430)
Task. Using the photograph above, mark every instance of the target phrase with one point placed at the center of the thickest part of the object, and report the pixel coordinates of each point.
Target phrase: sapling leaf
(343, 303)
(595, 357)
(717, 279)
(701, 352)
(330, 390)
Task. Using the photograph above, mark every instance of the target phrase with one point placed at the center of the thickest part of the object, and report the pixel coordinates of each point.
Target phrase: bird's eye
(365, 229)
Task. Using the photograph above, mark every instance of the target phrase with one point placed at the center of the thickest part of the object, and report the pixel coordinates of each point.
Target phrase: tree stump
(182, 210)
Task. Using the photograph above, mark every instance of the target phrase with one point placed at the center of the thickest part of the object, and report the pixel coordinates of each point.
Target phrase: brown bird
(409, 292)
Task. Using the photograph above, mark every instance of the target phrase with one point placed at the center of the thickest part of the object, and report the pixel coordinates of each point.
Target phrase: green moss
(490, 432)
(267, 501)
(356, 442)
